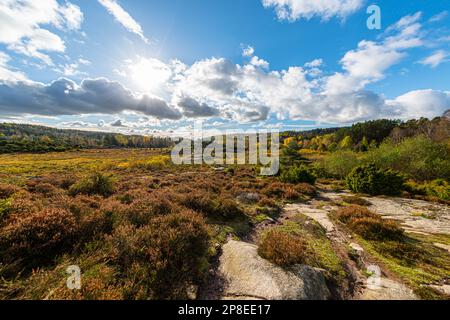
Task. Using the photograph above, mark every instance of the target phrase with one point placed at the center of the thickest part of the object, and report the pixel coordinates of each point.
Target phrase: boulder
(248, 276)
(249, 197)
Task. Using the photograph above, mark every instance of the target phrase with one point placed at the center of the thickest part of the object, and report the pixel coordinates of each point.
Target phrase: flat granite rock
(248, 276)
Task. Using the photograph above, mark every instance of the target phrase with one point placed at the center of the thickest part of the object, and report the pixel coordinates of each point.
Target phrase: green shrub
(5, 207)
(282, 248)
(298, 174)
(338, 164)
(419, 158)
(98, 183)
(439, 188)
(374, 181)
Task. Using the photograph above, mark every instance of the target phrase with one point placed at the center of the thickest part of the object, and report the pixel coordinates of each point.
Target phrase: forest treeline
(32, 138)
(366, 135)
(359, 137)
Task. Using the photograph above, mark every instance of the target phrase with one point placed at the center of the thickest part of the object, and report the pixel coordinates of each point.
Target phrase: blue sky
(158, 66)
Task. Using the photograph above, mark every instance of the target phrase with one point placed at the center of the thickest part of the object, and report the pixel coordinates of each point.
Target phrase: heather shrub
(289, 191)
(98, 183)
(374, 181)
(355, 200)
(94, 223)
(376, 229)
(369, 225)
(282, 248)
(305, 189)
(7, 190)
(199, 201)
(297, 174)
(166, 256)
(227, 209)
(212, 206)
(45, 189)
(346, 214)
(24, 203)
(63, 181)
(38, 236)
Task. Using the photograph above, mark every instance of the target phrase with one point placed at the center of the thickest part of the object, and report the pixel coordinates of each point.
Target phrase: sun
(149, 75)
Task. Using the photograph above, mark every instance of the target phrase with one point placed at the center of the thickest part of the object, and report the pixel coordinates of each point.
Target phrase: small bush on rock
(369, 225)
(282, 248)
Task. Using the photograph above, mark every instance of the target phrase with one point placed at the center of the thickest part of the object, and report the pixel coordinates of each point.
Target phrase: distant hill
(32, 138)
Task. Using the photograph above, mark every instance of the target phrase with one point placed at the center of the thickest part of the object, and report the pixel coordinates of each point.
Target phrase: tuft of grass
(356, 200)
(97, 183)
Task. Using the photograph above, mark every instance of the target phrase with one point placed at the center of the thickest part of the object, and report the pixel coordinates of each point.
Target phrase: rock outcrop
(248, 276)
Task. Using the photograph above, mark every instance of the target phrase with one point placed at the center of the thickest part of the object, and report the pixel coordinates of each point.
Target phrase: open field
(140, 227)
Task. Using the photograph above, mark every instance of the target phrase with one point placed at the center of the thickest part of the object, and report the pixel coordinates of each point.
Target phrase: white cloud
(218, 88)
(22, 26)
(248, 51)
(6, 73)
(314, 64)
(421, 103)
(293, 10)
(123, 17)
(370, 61)
(258, 62)
(439, 17)
(84, 61)
(91, 96)
(435, 59)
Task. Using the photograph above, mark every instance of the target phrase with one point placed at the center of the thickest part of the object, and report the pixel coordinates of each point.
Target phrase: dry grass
(282, 248)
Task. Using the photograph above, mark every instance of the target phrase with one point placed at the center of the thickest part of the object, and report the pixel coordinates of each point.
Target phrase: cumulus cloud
(371, 59)
(123, 17)
(314, 64)
(217, 87)
(293, 10)
(65, 97)
(23, 24)
(117, 123)
(435, 59)
(421, 103)
(248, 51)
(193, 109)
